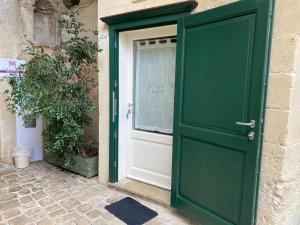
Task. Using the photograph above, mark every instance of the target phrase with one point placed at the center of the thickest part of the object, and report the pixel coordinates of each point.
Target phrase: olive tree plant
(56, 85)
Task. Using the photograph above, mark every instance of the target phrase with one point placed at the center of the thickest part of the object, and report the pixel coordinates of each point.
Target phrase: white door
(146, 102)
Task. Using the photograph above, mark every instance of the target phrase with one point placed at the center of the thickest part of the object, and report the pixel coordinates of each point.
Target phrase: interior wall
(279, 197)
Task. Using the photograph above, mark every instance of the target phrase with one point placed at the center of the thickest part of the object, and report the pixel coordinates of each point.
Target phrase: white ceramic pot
(21, 161)
(22, 156)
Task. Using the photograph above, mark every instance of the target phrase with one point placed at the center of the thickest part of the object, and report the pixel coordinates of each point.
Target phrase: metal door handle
(129, 109)
(251, 124)
(130, 105)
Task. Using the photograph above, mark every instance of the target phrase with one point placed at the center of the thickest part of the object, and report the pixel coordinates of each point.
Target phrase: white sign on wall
(10, 66)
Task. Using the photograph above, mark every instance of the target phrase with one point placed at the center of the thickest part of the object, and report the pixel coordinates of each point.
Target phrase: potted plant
(57, 86)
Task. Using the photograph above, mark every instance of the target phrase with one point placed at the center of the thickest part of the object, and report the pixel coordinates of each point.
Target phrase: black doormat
(131, 212)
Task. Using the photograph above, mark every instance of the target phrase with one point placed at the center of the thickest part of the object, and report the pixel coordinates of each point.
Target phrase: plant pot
(87, 167)
(21, 155)
(21, 161)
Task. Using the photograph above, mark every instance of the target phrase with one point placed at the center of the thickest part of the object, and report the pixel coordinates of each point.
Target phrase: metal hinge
(115, 163)
(115, 43)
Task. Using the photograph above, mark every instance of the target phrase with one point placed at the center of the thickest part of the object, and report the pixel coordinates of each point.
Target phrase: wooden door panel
(223, 50)
(212, 177)
(222, 64)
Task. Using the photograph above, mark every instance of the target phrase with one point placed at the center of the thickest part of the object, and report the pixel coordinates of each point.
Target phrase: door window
(154, 80)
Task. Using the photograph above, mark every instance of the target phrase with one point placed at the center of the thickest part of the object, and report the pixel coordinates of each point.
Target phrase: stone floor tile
(82, 221)
(94, 213)
(60, 196)
(11, 213)
(26, 199)
(70, 203)
(12, 204)
(83, 208)
(66, 218)
(46, 201)
(20, 220)
(52, 208)
(154, 222)
(14, 188)
(24, 192)
(35, 189)
(46, 221)
(100, 222)
(29, 205)
(7, 197)
(57, 213)
(116, 222)
(39, 195)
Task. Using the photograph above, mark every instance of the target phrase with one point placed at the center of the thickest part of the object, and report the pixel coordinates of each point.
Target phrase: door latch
(251, 135)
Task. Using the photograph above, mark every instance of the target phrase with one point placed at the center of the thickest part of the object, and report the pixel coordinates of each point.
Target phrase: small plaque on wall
(9, 67)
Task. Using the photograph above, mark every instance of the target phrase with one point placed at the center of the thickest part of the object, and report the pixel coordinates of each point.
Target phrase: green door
(222, 62)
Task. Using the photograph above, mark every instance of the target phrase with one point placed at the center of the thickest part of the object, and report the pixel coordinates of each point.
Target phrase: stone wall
(19, 25)
(279, 196)
(279, 202)
(10, 47)
(88, 15)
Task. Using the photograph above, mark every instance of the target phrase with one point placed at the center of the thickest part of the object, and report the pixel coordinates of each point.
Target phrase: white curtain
(154, 85)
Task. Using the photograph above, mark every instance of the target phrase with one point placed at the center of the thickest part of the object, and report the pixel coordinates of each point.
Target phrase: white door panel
(147, 154)
(140, 149)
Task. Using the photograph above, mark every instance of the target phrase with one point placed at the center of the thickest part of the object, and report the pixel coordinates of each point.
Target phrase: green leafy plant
(57, 85)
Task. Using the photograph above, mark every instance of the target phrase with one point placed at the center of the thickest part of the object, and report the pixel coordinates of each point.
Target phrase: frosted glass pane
(154, 85)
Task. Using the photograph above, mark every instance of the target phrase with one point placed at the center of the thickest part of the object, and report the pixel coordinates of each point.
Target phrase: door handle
(129, 109)
(251, 124)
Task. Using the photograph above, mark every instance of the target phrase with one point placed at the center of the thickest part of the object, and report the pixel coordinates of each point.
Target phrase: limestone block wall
(279, 201)
(88, 15)
(10, 47)
(279, 193)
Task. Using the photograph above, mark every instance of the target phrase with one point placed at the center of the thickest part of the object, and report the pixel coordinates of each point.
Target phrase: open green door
(222, 63)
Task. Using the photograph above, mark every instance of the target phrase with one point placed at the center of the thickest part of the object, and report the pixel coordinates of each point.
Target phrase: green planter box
(83, 166)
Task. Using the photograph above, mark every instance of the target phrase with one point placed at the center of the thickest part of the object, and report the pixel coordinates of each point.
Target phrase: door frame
(153, 17)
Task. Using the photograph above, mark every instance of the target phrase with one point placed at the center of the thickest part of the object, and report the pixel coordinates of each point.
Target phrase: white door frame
(125, 89)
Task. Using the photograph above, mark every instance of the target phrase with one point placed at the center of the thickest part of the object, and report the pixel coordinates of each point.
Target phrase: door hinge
(115, 43)
(115, 134)
(115, 163)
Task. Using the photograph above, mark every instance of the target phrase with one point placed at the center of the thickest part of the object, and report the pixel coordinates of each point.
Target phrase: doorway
(147, 59)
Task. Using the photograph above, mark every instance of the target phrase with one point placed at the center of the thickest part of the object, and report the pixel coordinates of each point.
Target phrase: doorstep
(150, 192)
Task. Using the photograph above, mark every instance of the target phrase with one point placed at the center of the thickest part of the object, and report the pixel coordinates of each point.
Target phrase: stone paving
(43, 194)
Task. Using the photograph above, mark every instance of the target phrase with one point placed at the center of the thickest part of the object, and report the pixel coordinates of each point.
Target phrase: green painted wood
(222, 66)
(87, 167)
(164, 10)
(135, 23)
